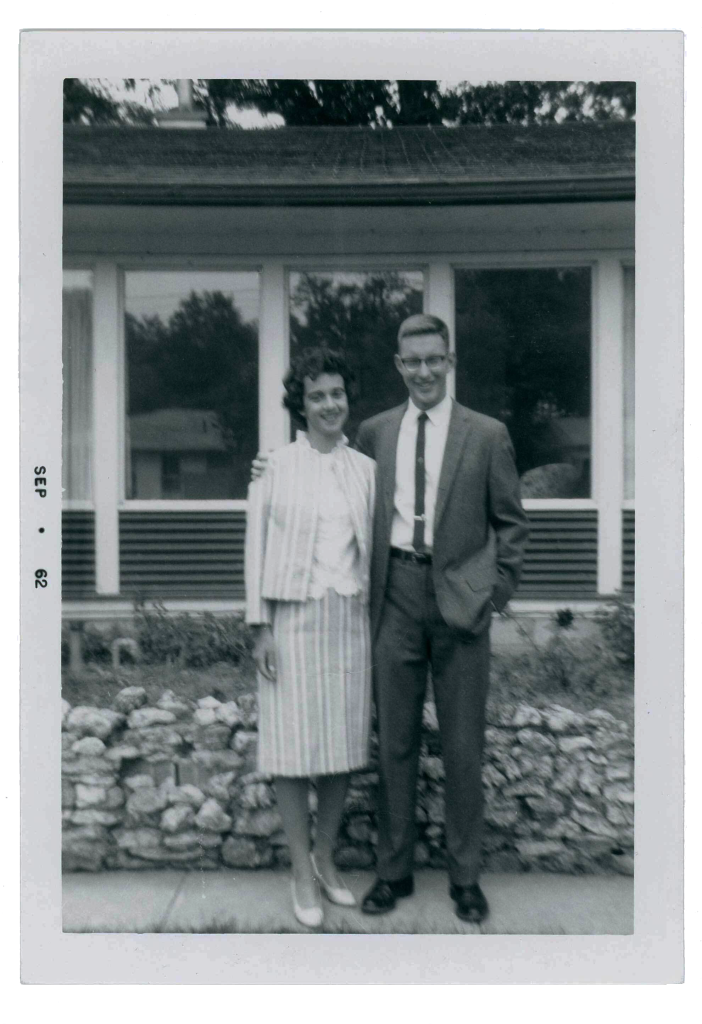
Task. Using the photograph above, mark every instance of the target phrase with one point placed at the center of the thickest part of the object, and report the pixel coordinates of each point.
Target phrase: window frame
(351, 264)
(173, 264)
(629, 504)
(555, 260)
(81, 504)
(438, 270)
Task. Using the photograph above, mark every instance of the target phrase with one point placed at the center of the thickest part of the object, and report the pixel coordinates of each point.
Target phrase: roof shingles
(340, 165)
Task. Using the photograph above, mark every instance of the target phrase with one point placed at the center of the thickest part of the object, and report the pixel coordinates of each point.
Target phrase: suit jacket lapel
(457, 433)
(387, 458)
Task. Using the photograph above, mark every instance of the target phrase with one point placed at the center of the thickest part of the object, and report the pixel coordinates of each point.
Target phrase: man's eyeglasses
(432, 363)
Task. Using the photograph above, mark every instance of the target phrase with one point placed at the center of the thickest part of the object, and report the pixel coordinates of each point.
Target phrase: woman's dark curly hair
(312, 362)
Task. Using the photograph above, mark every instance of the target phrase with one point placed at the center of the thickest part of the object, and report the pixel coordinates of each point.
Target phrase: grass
(514, 682)
(97, 686)
(580, 670)
(511, 683)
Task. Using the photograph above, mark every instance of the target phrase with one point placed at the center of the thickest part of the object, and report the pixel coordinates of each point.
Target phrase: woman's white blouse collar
(302, 439)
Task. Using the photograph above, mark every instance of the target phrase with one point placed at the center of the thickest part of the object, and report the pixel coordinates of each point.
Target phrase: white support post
(439, 301)
(608, 421)
(273, 357)
(107, 425)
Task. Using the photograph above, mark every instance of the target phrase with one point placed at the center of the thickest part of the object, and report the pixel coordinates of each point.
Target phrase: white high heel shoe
(343, 897)
(311, 917)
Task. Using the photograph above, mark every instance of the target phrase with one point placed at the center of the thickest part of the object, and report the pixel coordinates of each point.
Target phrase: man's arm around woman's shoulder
(364, 442)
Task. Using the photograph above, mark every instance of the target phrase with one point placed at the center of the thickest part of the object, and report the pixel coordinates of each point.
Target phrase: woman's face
(326, 406)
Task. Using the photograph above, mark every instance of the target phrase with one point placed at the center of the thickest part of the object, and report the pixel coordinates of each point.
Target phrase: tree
(89, 101)
(368, 102)
(204, 357)
(539, 102)
(381, 103)
(329, 103)
(358, 314)
(524, 345)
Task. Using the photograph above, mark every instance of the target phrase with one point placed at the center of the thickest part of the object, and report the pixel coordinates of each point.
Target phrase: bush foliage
(587, 670)
(179, 652)
(193, 641)
(188, 641)
(617, 624)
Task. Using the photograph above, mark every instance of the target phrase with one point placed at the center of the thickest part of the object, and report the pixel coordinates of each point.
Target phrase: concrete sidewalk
(259, 901)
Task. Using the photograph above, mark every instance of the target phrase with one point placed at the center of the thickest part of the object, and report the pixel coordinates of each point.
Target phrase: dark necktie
(419, 484)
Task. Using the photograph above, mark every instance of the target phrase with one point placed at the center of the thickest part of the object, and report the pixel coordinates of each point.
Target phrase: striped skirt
(315, 718)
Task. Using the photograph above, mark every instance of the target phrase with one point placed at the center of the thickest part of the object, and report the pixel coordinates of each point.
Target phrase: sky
(161, 292)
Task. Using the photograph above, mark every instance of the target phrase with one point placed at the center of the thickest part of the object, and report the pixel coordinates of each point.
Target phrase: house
(177, 453)
(196, 262)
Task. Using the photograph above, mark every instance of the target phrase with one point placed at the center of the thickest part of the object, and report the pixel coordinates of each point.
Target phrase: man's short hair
(422, 323)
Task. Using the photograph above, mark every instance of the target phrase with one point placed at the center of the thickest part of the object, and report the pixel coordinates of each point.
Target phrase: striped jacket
(281, 523)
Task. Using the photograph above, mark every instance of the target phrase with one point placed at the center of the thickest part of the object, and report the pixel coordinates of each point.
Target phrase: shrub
(617, 622)
(96, 642)
(584, 668)
(191, 640)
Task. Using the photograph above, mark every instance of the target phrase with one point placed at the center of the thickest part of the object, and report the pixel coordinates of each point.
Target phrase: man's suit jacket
(480, 528)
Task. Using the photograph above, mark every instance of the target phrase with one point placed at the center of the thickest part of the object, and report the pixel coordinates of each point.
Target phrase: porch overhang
(401, 193)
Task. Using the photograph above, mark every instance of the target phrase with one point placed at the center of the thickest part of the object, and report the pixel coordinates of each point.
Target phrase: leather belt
(423, 558)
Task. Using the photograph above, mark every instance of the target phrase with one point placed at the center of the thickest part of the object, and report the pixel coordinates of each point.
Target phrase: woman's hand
(258, 466)
(264, 653)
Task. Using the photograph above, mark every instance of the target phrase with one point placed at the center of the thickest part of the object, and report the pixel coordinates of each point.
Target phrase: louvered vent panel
(561, 555)
(628, 549)
(77, 554)
(182, 554)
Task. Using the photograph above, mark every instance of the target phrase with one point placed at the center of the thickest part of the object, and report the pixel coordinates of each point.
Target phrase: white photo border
(653, 954)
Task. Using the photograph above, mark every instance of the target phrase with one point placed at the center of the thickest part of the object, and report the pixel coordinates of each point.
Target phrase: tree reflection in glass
(192, 383)
(523, 346)
(358, 313)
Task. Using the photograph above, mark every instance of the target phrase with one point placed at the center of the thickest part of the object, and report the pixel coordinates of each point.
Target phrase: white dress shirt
(437, 426)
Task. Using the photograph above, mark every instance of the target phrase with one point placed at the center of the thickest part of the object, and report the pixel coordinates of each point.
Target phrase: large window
(629, 382)
(523, 344)
(192, 383)
(77, 439)
(359, 314)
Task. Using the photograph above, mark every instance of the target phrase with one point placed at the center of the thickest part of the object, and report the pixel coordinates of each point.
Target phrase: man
(448, 537)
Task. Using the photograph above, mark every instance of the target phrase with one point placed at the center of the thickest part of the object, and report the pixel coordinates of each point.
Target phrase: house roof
(176, 430)
(340, 166)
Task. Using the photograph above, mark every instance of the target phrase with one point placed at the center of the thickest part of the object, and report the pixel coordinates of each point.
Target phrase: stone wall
(175, 785)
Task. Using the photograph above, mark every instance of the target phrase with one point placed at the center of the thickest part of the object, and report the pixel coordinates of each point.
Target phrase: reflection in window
(523, 356)
(192, 383)
(629, 382)
(358, 314)
(76, 473)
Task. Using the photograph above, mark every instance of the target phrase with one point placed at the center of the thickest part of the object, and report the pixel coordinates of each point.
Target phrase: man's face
(424, 362)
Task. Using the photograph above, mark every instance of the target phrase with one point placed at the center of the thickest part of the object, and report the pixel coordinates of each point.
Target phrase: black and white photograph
(348, 542)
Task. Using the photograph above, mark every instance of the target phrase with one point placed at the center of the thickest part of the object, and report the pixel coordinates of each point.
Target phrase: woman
(307, 584)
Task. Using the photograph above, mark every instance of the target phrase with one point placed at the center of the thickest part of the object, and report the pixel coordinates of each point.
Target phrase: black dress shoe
(471, 904)
(384, 895)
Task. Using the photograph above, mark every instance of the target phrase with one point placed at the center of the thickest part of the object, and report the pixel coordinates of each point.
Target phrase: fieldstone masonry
(175, 785)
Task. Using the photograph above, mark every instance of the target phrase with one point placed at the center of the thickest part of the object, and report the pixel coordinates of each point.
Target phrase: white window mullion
(107, 425)
(439, 301)
(273, 355)
(608, 421)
